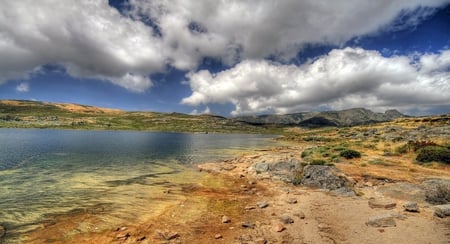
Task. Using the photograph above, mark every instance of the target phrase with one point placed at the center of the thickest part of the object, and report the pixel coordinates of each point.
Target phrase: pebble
(262, 204)
(218, 236)
(248, 225)
(260, 241)
(292, 201)
(226, 219)
(250, 207)
(167, 235)
(286, 219)
(300, 214)
(279, 228)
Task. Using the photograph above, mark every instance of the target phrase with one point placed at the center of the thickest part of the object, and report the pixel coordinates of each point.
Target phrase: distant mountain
(348, 117)
(35, 114)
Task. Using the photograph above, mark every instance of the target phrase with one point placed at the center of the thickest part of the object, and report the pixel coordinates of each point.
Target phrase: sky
(231, 58)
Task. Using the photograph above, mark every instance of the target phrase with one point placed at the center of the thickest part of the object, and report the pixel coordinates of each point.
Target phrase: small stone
(226, 219)
(292, 201)
(243, 186)
(167, 235)
(382, 203)
(286, 219)
(300, 214)
(248, 225)
(218, 236)
(279, 228)
(260, 241)
(250, 207)
(442, 211)
(123, 235)
(411, 207)
(263, 204)
(2, 231)
(323, 227)
(384, 220)
(251, 182)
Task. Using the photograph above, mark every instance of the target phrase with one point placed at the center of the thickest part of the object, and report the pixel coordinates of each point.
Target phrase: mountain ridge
(347, 117)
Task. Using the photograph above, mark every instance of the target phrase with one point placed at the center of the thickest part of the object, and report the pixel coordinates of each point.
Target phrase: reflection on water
(45, 172)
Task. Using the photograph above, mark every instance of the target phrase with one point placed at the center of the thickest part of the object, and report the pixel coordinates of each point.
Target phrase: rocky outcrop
(442, 211)
(326, 177)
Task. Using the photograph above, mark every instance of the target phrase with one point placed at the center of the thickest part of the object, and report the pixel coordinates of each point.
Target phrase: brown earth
(311, 215)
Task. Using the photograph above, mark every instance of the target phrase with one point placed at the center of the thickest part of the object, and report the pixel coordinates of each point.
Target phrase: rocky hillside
(349, 117)
(33, 114)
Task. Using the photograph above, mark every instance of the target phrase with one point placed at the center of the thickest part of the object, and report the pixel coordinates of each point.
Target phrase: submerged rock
(2, 231)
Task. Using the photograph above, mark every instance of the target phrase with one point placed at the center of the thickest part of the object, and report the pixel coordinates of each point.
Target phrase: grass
(29, 114)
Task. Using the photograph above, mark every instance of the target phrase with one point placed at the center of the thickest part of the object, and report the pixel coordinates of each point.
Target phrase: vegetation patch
(434, 154)
(350, 153)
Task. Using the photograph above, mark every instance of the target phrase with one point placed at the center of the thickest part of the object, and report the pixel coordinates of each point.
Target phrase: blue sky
(231, 57)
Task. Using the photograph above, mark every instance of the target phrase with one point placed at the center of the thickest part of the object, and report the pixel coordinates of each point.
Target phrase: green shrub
(319, 162)
(402, 149)
(434, 153)
(349, 154)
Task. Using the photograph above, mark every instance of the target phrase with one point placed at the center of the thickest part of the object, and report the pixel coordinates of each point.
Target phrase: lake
(123, 174)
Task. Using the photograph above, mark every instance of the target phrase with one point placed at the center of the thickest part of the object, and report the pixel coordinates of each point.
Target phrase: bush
(434, 153)
(349, 154)
(318, 162)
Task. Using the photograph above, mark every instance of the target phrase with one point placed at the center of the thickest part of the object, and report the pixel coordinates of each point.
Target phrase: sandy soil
(310, 215)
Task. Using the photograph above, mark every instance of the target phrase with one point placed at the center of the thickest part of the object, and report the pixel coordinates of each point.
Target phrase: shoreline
(262, 208)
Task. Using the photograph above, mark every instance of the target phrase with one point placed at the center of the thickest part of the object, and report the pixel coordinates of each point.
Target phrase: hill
(34, 114)
(349, 117)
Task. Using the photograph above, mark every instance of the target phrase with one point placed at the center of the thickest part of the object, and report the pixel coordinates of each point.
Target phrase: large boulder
(326, 177)
(437, 191)
(442, 211)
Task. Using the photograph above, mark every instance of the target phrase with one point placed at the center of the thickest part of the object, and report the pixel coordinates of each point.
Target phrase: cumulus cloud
(91, 39)
(23, 87)
(234, 30)
(344, 78)
(196, 112)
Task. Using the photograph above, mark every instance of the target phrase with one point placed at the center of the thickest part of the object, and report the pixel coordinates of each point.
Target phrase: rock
(382, 203)
(262, 204)
(292, 201)
(279, 228)
(2, 231)
(250, 207)
(384, 220)
(325, 177)
(411, 207)
(260, 240)
(167, 235)
(442, 211)
(228, 167)
(300, 214)
(437, 191)
(261, 167)
(218, 236)
(286, 219)
(226, 219)
(248, 225)
(123, 235)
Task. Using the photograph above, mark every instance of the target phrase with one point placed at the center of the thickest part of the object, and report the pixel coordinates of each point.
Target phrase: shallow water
(122, 174)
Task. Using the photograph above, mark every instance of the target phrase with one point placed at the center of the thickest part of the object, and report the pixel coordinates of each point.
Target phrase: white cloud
(23, 87)
(89, 38)
(93, 40)
(196, 112)
(345, 78)
(257, 29)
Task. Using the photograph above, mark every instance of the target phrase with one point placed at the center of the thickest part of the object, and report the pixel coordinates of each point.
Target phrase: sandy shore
(239, 205)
